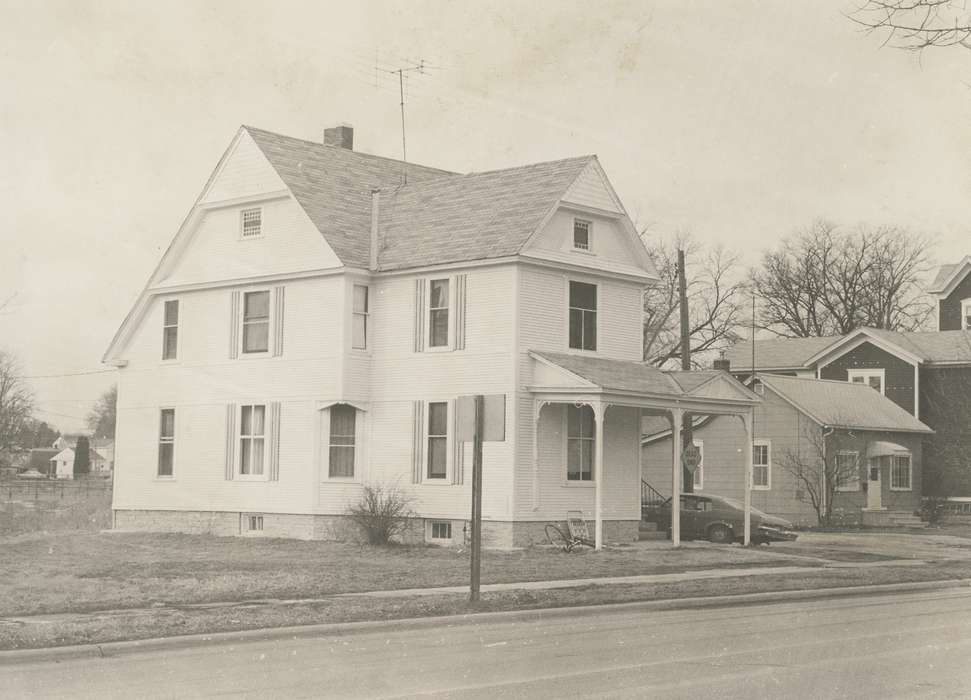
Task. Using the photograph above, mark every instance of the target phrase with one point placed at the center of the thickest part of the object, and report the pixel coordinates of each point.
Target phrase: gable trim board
(845, 344)
(944, 287)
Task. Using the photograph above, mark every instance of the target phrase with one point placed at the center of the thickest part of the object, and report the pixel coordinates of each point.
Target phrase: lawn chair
(578, 528)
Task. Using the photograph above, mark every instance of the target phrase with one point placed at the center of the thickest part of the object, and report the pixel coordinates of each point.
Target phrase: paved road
(908, 645)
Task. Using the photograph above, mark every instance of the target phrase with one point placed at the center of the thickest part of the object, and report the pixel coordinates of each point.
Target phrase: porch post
(747, 420)
(537, 410)
(677, 416)
(599, 411)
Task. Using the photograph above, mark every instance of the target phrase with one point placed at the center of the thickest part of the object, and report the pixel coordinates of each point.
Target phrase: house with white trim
(809, 433)
(928, 374)
(320, 311)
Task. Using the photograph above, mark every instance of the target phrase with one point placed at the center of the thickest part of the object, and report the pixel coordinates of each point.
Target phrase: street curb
(340, 629)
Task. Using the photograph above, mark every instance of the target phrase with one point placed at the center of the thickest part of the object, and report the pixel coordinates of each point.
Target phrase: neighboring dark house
(926, 374)
(40, 459)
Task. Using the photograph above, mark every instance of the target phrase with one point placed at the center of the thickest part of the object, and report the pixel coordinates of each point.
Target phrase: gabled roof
(470, 217)
(939, 347)
(947, 276)
(333, 185)
(843, 404)
(776, 353)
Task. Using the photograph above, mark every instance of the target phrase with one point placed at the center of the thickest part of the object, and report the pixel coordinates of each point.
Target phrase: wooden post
(676, 476)
(748, 420)
(599, 414)
(477, 498)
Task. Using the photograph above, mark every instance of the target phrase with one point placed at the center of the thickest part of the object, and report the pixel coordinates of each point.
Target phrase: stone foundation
(339, 528)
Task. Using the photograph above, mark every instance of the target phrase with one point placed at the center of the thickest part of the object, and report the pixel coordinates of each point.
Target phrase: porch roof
(563, 372)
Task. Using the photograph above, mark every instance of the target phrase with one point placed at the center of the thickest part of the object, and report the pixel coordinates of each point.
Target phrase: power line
(69, 374)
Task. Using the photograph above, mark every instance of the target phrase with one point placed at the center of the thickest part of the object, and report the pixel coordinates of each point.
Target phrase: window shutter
(418, 436)
(419, 315)
(458, 467)
(278, 299)
(234, 325)
(274, 472)
(230, 440)
(460, 284)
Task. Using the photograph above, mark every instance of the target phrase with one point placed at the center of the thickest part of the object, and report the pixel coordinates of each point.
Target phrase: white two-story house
(319, 312)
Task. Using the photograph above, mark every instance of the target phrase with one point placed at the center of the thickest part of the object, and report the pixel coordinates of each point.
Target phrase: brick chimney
(341, 136)
(722, 363)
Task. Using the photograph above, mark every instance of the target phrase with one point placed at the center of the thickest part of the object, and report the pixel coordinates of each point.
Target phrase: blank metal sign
(494, 420)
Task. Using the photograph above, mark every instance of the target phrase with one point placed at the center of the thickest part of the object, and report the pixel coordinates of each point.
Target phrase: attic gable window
(251, 221)
(581, 234)
(874, 378)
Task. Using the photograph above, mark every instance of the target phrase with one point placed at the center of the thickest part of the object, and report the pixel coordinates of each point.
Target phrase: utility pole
(687, 476)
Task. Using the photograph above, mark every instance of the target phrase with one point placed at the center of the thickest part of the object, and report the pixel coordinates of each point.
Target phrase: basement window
(441, 531)
(253, 523)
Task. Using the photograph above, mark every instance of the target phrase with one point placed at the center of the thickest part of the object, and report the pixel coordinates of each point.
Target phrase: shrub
(933, 509)
(382, 512)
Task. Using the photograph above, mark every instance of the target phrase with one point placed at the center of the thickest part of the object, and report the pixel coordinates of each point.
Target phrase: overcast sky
(738, 121)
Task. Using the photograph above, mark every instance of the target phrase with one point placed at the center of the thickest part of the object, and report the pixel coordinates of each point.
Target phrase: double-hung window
(966, 314)
(166, 442)
(359, 331)
(874, 378)
(762, 465)
(343, 426)
(170, 330)
(847, 470)
(437, 439)
(900, 473)
(252, 436)
(438, 313)
(583, 316)
(580, 439)
(581, 234)
(256, 322)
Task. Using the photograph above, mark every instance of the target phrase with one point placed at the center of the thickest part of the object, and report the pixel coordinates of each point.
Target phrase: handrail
(650, 496)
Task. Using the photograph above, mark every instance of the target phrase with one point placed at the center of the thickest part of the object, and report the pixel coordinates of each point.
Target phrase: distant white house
(62, 464)
(318, 315)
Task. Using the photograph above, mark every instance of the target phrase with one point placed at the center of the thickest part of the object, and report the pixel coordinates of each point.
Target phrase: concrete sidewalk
(644, 578)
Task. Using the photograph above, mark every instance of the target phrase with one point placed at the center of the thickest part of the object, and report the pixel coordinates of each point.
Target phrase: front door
(873, 495)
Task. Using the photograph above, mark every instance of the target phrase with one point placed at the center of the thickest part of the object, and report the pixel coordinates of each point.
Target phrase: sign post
(480, 419)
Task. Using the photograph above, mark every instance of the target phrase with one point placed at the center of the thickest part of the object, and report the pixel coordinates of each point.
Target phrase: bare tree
(16, 402)
(101, 419)
(915, 25)
(829, 281)
(818, 468)
(715, 300)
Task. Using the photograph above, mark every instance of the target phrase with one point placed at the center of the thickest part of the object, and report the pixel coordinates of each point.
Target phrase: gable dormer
(952, 287)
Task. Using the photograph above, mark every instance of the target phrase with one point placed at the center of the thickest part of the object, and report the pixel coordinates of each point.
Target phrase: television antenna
(418, 68)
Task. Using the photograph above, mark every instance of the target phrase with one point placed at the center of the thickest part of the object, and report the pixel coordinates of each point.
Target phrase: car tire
(721, 534)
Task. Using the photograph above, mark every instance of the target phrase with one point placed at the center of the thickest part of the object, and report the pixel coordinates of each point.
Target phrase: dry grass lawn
(52, 573)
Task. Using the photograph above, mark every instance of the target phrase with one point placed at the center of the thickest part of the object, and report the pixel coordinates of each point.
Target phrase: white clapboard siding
(216, 250)
(590, 189)
(245, 172)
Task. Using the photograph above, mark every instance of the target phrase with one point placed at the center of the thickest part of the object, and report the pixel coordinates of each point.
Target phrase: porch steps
(649, 531)
(892, 518)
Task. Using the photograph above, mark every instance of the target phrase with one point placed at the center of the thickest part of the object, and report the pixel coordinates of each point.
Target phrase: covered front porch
(586, 423)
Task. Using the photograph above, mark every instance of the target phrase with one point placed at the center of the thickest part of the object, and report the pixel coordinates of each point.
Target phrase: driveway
(874, 546)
